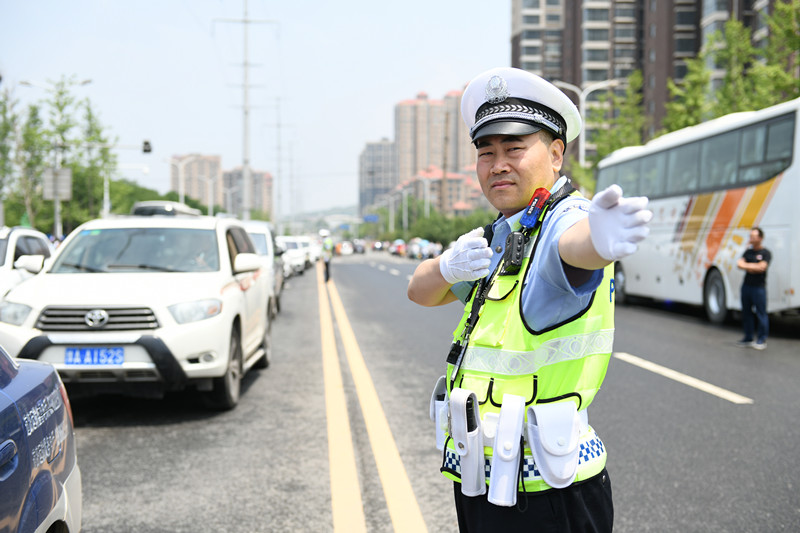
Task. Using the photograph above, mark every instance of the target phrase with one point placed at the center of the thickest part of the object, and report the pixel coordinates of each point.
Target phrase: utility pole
(247, 178)
(444, 188)
(276, 181)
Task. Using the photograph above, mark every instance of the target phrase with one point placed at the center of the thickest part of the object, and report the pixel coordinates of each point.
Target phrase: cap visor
(505, 128)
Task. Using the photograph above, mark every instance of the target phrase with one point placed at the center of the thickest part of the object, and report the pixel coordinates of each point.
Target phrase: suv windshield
(140, 250)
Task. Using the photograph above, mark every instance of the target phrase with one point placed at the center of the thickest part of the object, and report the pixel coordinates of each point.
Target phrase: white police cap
(511, 101)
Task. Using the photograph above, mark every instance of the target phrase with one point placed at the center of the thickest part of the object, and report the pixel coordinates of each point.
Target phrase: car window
(242, 240)
(3, 248)
(260, 242)
(23, 247)
(140, 250)
(30, 245)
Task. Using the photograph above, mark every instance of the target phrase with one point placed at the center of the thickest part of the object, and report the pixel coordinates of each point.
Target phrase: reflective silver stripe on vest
(510, 363)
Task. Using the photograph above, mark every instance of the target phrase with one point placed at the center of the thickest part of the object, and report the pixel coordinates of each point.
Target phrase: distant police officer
(327, 251)
(534, 342)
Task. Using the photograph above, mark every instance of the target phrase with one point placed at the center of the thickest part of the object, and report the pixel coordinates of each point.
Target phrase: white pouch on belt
(553, 435)
(439, 410)
(465, 429)
(504, 480)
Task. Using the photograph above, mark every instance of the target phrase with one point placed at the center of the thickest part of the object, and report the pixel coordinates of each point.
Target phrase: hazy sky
(170, 71)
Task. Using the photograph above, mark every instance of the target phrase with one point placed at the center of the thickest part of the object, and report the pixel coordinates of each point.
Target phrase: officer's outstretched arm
(612, 230)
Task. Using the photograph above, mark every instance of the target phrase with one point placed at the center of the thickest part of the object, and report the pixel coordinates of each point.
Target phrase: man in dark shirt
(754, 262)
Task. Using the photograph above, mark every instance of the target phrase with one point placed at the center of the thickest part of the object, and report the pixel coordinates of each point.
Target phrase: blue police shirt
(547, 296)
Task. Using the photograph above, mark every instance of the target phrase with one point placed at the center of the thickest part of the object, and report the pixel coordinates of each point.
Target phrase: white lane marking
(381, 267)
(683, 378)
(394, 272)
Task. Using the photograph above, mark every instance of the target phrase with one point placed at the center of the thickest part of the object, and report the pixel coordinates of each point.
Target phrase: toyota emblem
(96, 318)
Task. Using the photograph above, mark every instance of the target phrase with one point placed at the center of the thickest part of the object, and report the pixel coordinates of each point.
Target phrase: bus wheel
(619, 285)
(714, 298)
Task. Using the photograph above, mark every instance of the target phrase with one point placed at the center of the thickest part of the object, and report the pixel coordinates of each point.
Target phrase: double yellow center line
(348, 509)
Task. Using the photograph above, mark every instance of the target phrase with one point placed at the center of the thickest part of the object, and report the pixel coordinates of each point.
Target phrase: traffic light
(146, 148)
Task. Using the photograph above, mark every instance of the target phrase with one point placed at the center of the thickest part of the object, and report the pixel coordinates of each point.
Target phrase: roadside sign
(60, 182)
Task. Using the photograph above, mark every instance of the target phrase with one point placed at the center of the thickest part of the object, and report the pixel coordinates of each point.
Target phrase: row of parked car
(139, 305)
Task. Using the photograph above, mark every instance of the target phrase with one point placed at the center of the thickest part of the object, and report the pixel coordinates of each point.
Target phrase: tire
(225, 393)
(620, 296)
(714, 300)
(266, 345)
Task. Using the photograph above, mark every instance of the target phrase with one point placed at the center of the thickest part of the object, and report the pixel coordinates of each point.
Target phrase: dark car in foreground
(40, 481)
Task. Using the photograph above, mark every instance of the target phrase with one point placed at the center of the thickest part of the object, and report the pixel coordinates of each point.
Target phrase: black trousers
(584, 507)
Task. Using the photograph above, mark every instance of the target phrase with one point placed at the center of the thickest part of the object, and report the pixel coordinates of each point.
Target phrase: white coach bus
(708, 186)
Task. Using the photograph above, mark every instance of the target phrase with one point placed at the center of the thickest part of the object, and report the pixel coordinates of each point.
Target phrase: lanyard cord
(458, 349)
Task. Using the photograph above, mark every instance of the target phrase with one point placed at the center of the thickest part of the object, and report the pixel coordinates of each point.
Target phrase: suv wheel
(225, 394)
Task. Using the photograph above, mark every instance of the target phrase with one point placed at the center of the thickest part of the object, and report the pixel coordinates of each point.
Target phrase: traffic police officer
(533, 345)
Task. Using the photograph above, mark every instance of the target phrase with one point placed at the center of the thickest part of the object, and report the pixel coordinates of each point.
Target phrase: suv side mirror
(31, 263)
(246, 262)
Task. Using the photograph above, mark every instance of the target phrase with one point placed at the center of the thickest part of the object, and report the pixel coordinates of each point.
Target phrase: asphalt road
(683, 456)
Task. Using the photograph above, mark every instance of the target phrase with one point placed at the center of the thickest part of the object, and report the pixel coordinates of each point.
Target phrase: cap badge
(496, 90)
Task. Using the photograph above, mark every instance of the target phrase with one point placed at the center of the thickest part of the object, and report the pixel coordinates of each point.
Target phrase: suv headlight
(13, 313)
(193, 311)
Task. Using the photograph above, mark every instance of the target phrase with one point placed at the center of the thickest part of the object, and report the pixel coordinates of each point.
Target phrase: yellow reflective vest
(566, 362)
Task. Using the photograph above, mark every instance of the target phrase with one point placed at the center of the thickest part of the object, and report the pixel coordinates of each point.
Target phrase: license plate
(96, 355)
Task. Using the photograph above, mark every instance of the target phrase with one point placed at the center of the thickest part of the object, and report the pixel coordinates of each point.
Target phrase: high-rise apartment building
(428, 133)
(585, 43)
(201, 178)
(260, 191)
(421, 135)
(197, 176)
(377, 172)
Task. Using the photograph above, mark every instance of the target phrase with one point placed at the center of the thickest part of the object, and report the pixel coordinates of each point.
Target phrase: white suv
(15, 243)
(261, 234)
(144, 305)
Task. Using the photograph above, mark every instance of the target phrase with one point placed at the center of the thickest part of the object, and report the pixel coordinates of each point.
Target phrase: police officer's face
(511, 168)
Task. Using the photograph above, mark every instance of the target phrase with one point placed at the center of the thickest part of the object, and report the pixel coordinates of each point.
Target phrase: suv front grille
(74, 319)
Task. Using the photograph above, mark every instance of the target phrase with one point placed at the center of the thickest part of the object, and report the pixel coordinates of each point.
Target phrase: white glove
(468, 259)
(618, 223)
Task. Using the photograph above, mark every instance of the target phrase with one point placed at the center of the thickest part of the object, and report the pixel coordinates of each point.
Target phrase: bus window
(780, 137)
(653, 167)
(605, 177)
(753, 141)
(628, 177)
(717, 168)
(683, 171)
(775, 150)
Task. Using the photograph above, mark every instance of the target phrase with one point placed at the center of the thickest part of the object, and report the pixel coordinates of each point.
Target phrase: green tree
(732, 51)
(8, 128)
(690, 100)
(779, 65)
(31, 154)
(91, 163)
(624, 117)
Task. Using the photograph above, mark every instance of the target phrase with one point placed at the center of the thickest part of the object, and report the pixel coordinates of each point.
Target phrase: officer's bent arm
(427, 286)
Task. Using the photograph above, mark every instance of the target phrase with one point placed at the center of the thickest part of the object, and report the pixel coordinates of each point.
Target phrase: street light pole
(209, 200)
(181, 165)
(582, 95)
